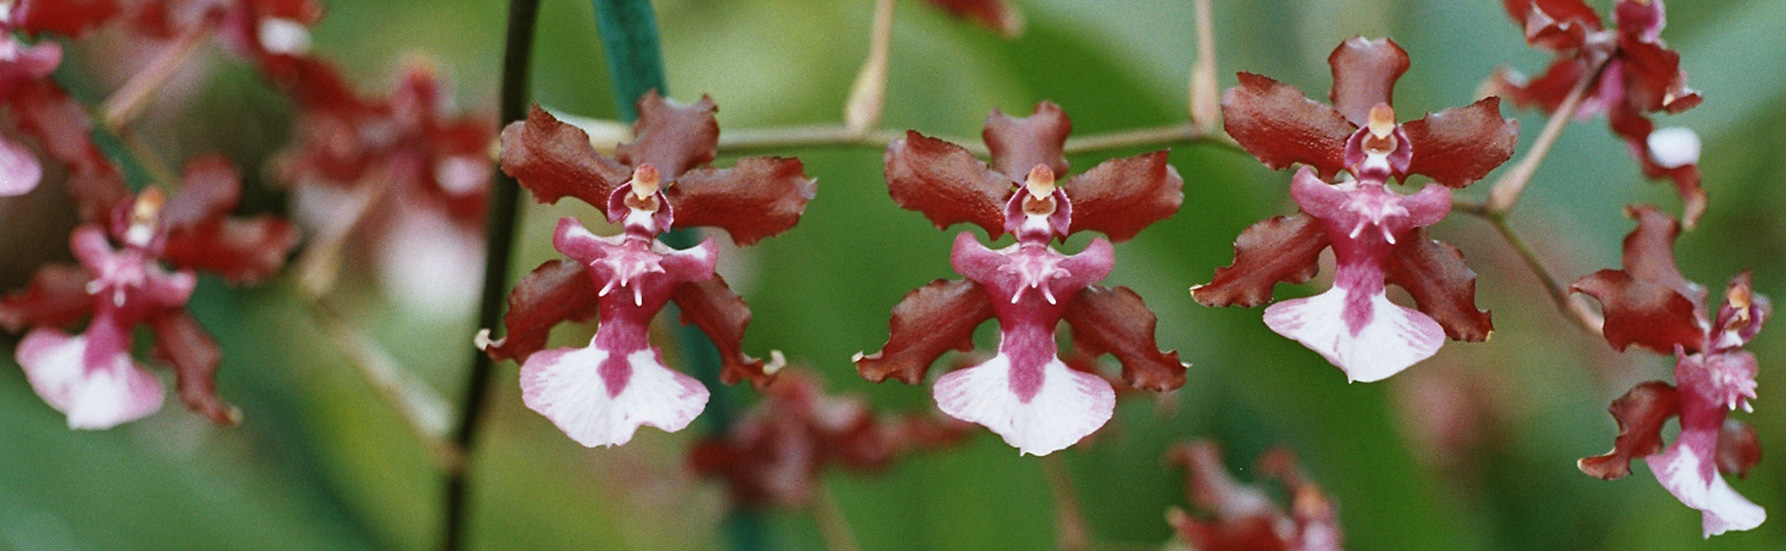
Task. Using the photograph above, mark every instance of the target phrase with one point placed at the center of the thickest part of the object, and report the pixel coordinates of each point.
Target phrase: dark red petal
(1646, 314)
(1557, 24)
(241, 250)
(1364, 75)
(70, 17)
(757, 198)
(209, 190)
(1653, 77)
(1649, 253)
(315, 85)
(1121, 196)
(934, 319)
(553, 160)
(1019, 144)
(671, 136)
(1640, 414)
(1275, 123)
(1434, 273)
(180, 341)
(1460, 145)
(1117, 322)
(1547, 91)
(1739, 449)
(56, 297)
(1636, 129)
(556, 291)
(62, 126)
(722, 315)
(997, 15)
(946, 183)
(1278, 249)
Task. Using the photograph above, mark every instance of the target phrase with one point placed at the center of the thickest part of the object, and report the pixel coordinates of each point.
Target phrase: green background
(321, 463)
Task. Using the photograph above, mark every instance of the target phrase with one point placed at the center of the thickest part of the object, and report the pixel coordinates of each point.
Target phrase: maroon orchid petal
(1277, 124)
(946, 183)
(1554, 24)
(1682, 168)
(720, 313)
(1547, 91)
(315, 84)
(1649, 303)
(1646, 314)
(62, 126)
(934, 319)
(1640, 414)
(1020, 144)
(1117, 322)
(70, 17)
(997, 15)
(209, 190)
(1119, 197)
(240, 250)
(1443, 287)
(1278, 249)
(1739, 448)
(1643, 19)
(671, 136)
(1649, 253)
(56, 297)
(1364, 75)
(556, 291)
(1460, 145)
(554, 160)
(180, 342)
(758, 197)
(1653, 77)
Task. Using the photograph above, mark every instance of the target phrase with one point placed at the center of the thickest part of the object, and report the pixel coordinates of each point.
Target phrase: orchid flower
(91, 377)
(1026, 393)
(1375, 232)
(600, 394)
(1651, 305)
(1639, 75)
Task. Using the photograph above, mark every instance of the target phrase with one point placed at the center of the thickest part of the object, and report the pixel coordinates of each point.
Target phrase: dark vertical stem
(635, 63)
(500, 237)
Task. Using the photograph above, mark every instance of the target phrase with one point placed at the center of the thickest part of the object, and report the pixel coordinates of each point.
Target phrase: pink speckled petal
(1689, 470)
(566, 386)
(1390, 339)
(19, 169)
(95, 397)
(1069, 405)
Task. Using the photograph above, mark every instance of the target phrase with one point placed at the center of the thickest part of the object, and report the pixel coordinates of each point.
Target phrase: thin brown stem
(1205, 105)
(1074, 532)
(159, 172)
(1574, 308)
(833, 525)
(129, 100)
(422, 410)
(868, 95)
(1506, 191)
(832, 135)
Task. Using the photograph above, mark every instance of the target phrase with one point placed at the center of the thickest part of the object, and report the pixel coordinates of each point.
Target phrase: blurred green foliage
(321, 463)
